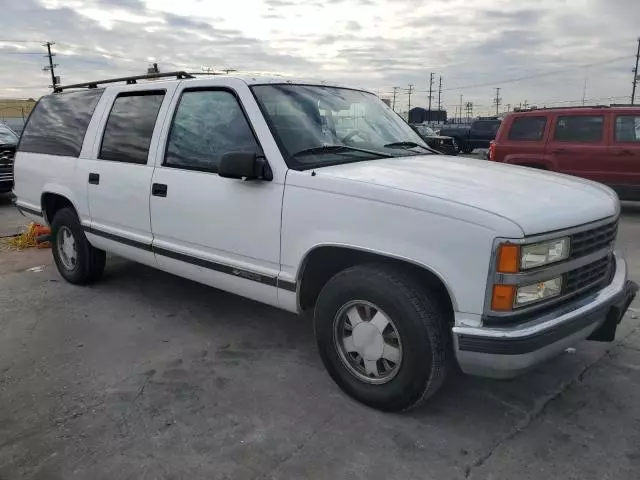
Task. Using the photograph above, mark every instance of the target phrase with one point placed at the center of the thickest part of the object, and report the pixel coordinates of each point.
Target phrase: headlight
(544, 253)
(538, 291)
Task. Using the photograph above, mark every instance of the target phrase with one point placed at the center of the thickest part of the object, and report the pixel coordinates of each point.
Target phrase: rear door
(523, 142)
(578, 145)
(624, 157)
(119, 171)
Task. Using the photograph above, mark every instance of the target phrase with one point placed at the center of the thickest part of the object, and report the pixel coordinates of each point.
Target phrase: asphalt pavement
(146, 375)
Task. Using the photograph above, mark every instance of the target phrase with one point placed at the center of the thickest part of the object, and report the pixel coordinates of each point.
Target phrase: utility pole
(439, 95)
(469, 108)
(460, 109)
(50, 68)
(636, 76)
(497, 101)
(430, 92)
(395, 92)
(409, 109)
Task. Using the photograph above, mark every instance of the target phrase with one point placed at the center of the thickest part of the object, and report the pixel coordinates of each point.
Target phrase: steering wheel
(365, 136)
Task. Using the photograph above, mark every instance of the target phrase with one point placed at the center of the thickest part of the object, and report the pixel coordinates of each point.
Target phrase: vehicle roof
(564, 110)
(198, 78)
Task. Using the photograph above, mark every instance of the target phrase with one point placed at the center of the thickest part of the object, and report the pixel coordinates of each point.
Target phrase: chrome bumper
(507, 352)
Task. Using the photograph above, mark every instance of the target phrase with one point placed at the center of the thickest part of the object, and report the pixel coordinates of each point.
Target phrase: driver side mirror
(244, 165)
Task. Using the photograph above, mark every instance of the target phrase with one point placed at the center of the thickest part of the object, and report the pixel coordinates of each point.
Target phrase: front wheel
(77, 260)
(381, 337)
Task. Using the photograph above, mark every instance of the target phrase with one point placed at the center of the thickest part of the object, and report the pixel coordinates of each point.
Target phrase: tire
(467, 150)
(89, 261)
(414, 315)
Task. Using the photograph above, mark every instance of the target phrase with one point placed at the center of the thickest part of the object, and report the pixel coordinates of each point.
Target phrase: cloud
(535, 52)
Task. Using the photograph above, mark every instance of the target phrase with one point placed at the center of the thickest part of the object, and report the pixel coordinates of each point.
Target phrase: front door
(219, 231)
(577, 145)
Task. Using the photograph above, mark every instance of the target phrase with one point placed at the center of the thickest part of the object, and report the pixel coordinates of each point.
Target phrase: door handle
(94, 178)
(624, 152)
(559, 150)
(159, 190)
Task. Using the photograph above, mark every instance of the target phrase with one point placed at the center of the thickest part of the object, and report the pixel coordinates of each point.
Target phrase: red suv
(598, 143)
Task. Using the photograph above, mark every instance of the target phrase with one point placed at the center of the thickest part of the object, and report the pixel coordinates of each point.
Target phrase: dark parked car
(478, 135)
(8, 142)
(598, 143)
(442, 144)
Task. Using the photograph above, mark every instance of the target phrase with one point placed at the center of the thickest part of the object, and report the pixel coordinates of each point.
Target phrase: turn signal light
(502, 298)
(509, 258)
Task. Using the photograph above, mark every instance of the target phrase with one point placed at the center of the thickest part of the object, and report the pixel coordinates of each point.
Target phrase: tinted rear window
(59, 122)
(580, 128)
(491, 126)
(527, 128)
(129, 128)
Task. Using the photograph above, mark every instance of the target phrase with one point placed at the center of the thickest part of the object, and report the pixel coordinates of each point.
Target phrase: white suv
(316, 198)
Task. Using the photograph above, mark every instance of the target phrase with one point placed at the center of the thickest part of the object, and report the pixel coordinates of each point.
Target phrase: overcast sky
(534, 50)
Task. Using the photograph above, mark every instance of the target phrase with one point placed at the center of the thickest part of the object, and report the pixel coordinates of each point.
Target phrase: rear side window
(129, 128)
(207, 124)
(628, 128)
(59, 122)
(579, 128)
(527, 128)
(488, 127)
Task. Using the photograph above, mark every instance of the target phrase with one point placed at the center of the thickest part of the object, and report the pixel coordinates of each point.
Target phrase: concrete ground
(146, 375)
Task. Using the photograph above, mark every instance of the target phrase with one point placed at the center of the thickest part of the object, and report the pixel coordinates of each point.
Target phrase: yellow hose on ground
(28, 238)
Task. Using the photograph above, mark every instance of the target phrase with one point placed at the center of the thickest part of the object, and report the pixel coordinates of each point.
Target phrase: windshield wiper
(336, 149)
(405, 145)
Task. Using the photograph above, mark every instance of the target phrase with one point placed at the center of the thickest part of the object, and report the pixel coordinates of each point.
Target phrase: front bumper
(507, 352)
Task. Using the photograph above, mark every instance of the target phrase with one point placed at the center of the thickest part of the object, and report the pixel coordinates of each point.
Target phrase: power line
(21, 41)
(537, 75)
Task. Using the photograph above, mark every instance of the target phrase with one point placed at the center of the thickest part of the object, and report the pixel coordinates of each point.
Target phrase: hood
(537, 201)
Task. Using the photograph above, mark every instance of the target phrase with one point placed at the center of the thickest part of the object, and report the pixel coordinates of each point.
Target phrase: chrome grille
(590, 241)
(592, 275)
(6, 156)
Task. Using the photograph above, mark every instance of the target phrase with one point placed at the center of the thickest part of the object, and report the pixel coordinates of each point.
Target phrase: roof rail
(130, 80)
(534, 109)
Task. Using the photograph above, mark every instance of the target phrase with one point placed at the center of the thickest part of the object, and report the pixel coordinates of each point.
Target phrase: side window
(486, 127)
(628, 128)
(59, 122)
(127, 135)
(527, 128)
(579, 128)
(207, 124)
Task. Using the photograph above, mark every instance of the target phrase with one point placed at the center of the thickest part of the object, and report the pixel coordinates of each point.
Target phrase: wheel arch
(52, 200)
(323, 261)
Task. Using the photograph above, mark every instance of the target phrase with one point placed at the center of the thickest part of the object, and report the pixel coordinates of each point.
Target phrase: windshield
(319, 126)
(7, 137)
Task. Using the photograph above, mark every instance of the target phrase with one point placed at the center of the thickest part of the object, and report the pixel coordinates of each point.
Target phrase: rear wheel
(77, 260)
(381, 337)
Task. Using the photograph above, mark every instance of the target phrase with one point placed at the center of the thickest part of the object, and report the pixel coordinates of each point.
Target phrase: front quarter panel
(320, 212)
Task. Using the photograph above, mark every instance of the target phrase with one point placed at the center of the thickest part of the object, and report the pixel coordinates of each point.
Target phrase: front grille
(6, 156)
(592, 275)
(590, 241)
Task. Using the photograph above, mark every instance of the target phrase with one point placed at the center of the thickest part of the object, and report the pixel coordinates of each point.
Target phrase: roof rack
(130, 80)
